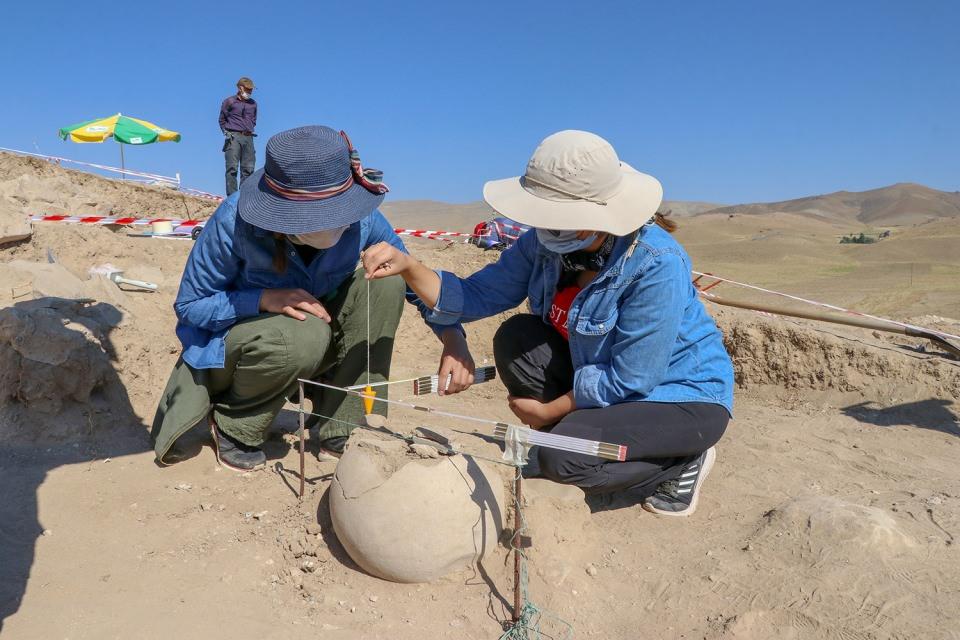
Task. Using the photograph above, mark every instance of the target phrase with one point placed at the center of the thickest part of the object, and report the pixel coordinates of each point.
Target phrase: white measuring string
(400, 436)
(553, 441)
(825, 305)
(368, 332)
(382, 384)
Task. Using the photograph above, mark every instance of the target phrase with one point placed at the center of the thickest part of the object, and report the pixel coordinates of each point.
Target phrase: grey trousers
(238, 150)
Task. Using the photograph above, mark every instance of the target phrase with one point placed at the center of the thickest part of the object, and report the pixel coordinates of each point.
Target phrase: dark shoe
(234, 454)
(332, 448)
(679, 497)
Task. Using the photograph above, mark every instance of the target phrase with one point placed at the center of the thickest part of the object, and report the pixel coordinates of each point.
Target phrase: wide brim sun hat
(575, 181)
(311, 181)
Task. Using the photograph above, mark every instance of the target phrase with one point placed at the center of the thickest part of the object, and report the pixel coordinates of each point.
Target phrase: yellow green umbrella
(121, 128)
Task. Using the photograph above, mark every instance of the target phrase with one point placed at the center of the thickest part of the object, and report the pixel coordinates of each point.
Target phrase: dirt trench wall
(771, 352)
(50, 355)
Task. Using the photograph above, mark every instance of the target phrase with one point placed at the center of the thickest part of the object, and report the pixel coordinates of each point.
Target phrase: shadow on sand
(935, 414)
(105, 427)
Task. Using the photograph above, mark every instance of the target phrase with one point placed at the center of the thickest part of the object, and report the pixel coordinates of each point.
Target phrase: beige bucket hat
(574, 180)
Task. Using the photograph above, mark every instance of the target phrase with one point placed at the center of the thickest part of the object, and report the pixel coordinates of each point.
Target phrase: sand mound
(55, 361)
(31, 186)
(823, 529)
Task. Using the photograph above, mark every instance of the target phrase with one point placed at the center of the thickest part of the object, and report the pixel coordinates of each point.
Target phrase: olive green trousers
(267, 354)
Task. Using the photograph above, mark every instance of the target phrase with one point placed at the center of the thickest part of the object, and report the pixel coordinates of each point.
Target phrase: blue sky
(722, 101)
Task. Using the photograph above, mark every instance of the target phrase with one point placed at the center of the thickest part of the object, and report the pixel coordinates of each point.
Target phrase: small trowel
(116, 275)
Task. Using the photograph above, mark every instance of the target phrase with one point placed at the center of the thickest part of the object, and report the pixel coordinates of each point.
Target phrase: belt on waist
(243, 133)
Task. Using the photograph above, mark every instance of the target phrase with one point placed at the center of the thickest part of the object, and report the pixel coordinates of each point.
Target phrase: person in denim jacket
(617, 346)
(271, 293)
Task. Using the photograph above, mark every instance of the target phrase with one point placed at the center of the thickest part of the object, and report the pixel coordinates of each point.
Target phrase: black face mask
(588, 260)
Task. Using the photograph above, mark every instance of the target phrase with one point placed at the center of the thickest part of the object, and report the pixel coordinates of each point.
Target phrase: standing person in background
(238, 119)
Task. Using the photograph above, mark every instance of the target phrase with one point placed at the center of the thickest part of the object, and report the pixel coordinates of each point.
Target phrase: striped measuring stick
(604, 450)
(565, 443)
(431, 384)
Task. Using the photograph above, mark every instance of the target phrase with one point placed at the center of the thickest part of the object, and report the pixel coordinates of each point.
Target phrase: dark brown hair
(279, 252)
(664, 222)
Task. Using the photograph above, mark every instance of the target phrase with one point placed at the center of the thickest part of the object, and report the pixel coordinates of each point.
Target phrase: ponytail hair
(664, 222)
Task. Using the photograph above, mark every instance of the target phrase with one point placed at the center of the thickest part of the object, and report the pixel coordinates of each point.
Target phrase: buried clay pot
(406, 518)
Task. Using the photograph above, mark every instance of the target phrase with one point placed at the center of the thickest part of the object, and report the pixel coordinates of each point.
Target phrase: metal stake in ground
(517, 604)
(302, 440)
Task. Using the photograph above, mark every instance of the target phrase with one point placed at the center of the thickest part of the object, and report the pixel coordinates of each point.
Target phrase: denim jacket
(638, 331)
(232, 263)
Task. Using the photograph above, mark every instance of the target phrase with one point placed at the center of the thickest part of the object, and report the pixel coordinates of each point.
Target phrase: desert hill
(431, 214)
(896, 205)
(893, 206)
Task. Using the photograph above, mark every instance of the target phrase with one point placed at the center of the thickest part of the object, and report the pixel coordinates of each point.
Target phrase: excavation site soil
(833, 510)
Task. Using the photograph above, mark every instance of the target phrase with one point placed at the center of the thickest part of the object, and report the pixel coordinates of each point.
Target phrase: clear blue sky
(722, 101)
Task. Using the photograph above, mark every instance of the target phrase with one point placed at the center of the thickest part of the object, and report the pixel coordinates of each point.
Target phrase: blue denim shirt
(638, 331)
(232, 263)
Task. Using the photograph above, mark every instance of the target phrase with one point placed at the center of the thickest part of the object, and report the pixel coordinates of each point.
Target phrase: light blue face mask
(564, 241)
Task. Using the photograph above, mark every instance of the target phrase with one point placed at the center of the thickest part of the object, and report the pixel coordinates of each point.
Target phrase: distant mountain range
(896, 205)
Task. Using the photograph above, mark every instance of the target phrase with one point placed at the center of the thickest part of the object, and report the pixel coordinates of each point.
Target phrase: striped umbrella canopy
(121, 128)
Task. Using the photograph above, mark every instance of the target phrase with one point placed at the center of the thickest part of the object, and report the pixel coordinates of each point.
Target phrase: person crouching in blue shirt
(617, 346)
(271, 293)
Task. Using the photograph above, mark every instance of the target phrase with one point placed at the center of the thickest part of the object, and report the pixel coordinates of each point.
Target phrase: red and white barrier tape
(446, 236)
(825, 305)
(176, 222)
(114, 220)
(197, 193)
(513, 227)
(423, 233)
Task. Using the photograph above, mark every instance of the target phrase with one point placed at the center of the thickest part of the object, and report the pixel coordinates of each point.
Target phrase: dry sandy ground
(833, 511)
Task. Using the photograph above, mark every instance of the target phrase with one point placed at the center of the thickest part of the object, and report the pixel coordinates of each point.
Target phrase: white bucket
(162, 227)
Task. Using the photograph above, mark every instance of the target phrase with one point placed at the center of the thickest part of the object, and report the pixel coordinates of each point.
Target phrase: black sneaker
(234, 454)
(332, 448)
(679, 497)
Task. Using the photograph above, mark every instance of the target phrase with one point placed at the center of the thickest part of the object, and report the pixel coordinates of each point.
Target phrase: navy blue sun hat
(312, 180)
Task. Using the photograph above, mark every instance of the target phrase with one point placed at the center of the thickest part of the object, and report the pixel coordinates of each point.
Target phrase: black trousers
(533, 360)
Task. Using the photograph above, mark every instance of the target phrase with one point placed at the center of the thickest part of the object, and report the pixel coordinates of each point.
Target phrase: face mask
(244, 94)
(319, 239)
(564, 241)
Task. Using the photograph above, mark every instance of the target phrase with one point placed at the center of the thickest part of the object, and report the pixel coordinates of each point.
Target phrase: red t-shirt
(561, 307)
